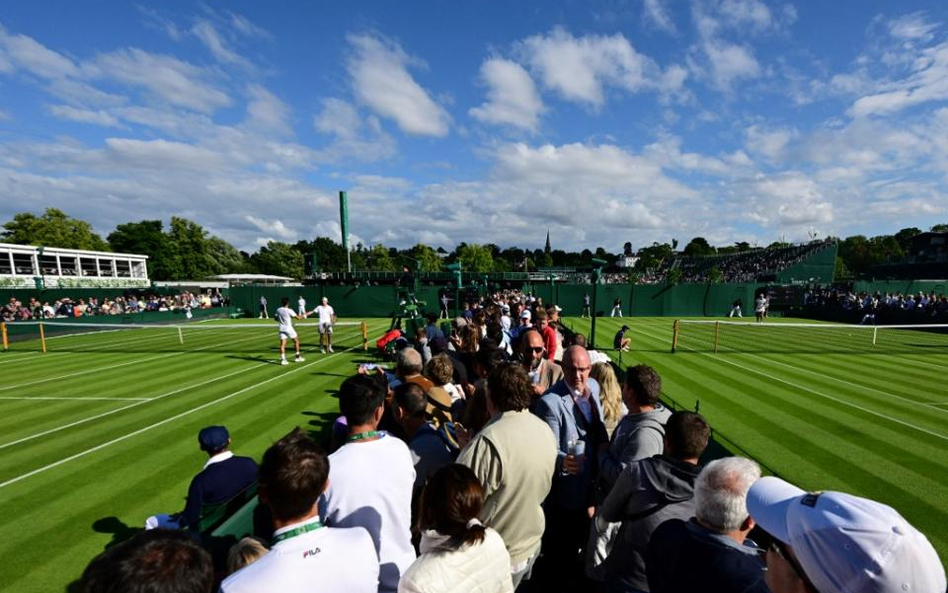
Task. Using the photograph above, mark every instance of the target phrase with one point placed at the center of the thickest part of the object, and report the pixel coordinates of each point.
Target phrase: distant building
(26, 266)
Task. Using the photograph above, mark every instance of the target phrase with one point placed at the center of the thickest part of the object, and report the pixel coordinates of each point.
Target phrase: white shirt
(370, 485)
(338, 560)
(224, 456)
(325, 313)
(285, 316)
(301, 303)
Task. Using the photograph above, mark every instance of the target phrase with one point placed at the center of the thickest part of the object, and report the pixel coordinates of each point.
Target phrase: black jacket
(688, 558)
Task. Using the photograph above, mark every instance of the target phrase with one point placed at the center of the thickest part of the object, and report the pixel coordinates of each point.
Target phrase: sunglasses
(537, 349)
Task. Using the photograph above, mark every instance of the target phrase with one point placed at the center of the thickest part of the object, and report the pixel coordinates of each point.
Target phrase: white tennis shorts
(325, 328)
(288, 334)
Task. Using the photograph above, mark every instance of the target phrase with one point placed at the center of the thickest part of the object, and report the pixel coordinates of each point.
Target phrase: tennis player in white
(285, 316)
(327, 317)
(301, 306)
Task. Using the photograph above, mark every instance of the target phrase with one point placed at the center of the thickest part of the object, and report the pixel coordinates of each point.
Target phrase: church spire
(547, 249)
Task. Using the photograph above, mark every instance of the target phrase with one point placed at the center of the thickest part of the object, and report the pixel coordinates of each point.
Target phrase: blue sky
(604, 121)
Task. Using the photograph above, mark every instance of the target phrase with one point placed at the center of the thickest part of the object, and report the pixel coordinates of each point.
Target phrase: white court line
(157, 397)
(823, 395)
(110, 399)
(837, 379)
(167, 420)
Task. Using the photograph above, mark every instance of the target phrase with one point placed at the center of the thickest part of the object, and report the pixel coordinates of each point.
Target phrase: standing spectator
(458, 553)
(408, 368)
(159, 561)
(432, 330)
(832, 542)
(710, 552)
(513, 456)
(293, 474)
(573, 412)
(650, 492)
(429, 449)
(610, 394)
(543, 373)
(371, 480)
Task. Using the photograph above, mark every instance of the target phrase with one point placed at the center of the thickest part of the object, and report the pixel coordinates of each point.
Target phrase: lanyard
(297, 531)
(363, 436)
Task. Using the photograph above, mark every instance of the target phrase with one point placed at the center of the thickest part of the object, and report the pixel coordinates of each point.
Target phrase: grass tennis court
(100, 432)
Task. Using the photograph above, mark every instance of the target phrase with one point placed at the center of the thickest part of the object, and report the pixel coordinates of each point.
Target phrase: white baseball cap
(845, 543)
(526, 314)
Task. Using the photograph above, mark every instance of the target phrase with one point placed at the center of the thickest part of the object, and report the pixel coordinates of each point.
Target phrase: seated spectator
(244, 553)
(710, 553)
(832, 542)
(513, 457)
(223, 477)
(159, 561)
(648, 493)
(371, 480)
(293, 474)
(458, 553)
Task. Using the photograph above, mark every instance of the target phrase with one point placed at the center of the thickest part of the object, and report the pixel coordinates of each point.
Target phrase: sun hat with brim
(844, 543)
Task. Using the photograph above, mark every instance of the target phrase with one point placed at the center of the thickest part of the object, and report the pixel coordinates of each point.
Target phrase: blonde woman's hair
(244, 553)
(610, 393)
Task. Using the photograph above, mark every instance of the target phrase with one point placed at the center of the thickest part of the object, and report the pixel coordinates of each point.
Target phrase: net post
(676, 328)
(3, 331)
(717, 329)
(42, 337)
(180, 335)
(875, 332)
(365, 337)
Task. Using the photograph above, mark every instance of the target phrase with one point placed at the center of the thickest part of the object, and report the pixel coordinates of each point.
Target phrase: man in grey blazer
(572, 410)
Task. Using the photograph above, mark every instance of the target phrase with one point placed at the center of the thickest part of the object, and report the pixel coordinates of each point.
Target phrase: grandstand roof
(252, 278)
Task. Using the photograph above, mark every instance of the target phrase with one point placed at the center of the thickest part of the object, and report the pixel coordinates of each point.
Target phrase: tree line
(184, 250)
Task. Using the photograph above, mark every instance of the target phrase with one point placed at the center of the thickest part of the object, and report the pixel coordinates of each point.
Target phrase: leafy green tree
(653, 255)
(279, 259)
(227, 259)
(674, 276)
(904, 236)
(715, 276)
(475, 258)
(427, 258)
(377, 259)
(940, 228)
(330, 256)
(148, 238)
(53, 229)
(697, 247)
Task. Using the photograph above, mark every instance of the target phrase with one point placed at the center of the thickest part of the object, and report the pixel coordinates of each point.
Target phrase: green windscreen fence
(685, 300)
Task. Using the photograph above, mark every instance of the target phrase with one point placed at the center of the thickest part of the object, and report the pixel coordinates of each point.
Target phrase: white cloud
(512, 97)
(355, 136)
(266, 112)
(275, 227)
(219, 47)
(730, 62)
(768, 143)
(789, 198)
(380, 78)
(581, 68)
(166, 78)
(913, 27)
(99, 118)
(28, 54)
(656, 14)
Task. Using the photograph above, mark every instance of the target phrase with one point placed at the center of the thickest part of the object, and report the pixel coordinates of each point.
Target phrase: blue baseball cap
(213, 438)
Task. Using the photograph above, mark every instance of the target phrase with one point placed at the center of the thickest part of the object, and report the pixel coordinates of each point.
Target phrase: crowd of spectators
(749, 266)
(129, 303)
(502, 464)
(878, 307)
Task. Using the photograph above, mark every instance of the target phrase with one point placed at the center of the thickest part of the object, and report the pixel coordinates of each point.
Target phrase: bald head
(576, 367)
(531, 344)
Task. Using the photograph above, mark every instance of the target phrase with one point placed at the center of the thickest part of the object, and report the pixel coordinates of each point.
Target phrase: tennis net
(209, 336)
(691, 335)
